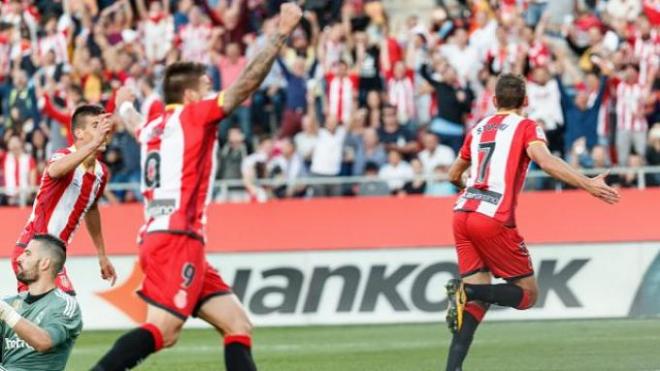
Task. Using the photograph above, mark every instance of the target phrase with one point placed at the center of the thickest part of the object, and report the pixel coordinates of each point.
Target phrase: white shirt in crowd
(291, 168)
(465, 61)
(326, 159)
(396, 176)
(158, 37)
(545, 104)
(305, 143)
(483, 38)
(442, 155)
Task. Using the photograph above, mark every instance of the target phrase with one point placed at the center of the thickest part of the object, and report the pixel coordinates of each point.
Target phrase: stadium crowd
(354, 94)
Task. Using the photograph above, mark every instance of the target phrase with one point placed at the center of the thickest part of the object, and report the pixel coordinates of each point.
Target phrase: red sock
(240, 339)
(157, 335)
(525, 301)
(476, 310)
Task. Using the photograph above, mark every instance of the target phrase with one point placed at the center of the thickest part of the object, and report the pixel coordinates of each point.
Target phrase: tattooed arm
(257, 69)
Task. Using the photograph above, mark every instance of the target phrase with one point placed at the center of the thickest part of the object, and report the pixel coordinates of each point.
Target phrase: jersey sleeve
(464, 153)
(532, 132)
(208, 111)
(57, 155)
(63, 321)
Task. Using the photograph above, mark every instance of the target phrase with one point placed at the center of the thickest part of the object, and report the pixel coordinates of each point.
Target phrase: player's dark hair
(510, 91)
(82, 112)
(56, 250)
(180, 76)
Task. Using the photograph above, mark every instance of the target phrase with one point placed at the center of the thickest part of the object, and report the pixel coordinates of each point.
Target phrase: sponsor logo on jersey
(15, 342)
(161, 207)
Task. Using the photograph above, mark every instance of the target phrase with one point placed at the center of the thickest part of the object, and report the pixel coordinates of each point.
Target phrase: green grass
(545, 345)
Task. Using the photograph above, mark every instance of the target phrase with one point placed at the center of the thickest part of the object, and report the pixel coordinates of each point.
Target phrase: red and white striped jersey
(62, 202)
(401, 94)
(17, 172)
(497, 150)
(629, 107)
(195, 43)
(178, 160)
(646, 52)
(58, 44)
(340, 95)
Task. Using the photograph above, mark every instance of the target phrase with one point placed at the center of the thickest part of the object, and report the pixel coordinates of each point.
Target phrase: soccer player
(39, 326)
(498, 151)
(71, 186)
(178, 161)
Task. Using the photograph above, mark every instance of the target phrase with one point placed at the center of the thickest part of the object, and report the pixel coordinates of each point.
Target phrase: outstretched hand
(599, 189)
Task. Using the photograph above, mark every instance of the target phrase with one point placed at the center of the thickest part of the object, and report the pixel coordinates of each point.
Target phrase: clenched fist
(290, 15)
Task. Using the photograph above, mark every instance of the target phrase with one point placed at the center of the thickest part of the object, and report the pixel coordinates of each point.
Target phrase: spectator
(375, 186)
(630, 121)
(394, 136)
(435, 154)
(231, 156)
(20, 102)
(287, 168)
(367, 56)
(230, 66)
(253, 168)
(19, 171)
(157, 29)
(440, 186)
(401, 93)
(396, 172)
(374, 109)
(462, 57)
(305, 141)
(342, 88)
(580, 119)
(416, 186)
(152, 103)
(545, 106)
(369, 151)
(195, 37)
(453, 104)
(296, 97)
(327, 156)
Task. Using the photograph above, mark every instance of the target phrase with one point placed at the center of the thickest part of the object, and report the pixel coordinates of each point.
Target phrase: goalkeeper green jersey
(55, 312)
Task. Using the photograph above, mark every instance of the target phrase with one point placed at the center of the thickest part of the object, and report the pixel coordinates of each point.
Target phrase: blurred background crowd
(358, 91)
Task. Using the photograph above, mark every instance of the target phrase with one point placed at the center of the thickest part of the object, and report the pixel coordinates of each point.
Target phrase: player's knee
(170, 338)
(240, 326)
(170, 335)
(528, 299)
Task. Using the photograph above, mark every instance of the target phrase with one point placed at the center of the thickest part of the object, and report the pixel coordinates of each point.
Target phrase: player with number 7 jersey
(498, 152)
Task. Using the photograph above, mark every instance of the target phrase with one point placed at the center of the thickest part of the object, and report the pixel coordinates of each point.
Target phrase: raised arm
(126, 111)
(68, 163)
(560, 170)
(426, 74)
(259, 66)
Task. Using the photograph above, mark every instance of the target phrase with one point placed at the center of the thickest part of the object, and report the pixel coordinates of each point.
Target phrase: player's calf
(474, 313)
(226, 314)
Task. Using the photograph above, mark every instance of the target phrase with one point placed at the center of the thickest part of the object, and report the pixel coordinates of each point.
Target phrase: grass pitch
(597, 345)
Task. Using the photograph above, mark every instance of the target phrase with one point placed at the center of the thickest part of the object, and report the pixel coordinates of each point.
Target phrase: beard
(27, 277)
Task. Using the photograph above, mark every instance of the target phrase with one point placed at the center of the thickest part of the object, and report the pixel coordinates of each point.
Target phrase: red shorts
(62, 280)
(177, 277)
(484, 244)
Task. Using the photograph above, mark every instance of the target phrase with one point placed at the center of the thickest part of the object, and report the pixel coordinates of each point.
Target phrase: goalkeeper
(40, 326)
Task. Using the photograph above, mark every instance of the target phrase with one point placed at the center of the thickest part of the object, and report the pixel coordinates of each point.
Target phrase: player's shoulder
(64, 303)
(61, 153)
(13, 299)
